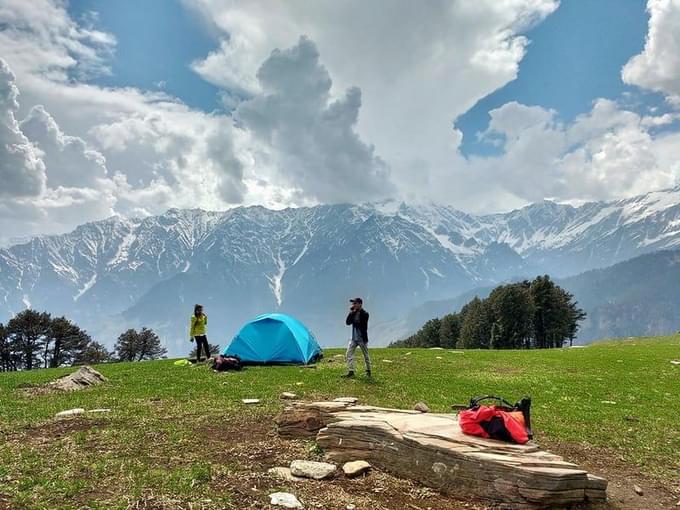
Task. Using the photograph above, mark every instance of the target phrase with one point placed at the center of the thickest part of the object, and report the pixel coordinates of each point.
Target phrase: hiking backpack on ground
(504, 421)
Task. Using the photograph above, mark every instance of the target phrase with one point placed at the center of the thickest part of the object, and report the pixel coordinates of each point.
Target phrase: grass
(161, 443)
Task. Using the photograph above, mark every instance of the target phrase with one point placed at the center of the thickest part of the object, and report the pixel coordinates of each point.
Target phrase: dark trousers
(202, 341)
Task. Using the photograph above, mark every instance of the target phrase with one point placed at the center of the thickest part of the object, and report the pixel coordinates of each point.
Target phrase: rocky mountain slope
(121, 272)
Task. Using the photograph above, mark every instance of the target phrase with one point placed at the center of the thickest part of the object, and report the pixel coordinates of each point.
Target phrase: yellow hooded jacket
(198, 325)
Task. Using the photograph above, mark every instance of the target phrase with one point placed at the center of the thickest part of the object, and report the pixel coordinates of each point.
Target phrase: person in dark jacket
(358, 319)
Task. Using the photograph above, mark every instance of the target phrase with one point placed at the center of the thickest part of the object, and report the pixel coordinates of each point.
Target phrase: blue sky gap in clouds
(574, 57)
(157, 40)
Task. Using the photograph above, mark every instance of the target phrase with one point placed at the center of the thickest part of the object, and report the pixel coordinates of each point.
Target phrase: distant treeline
(534, 314)
(34, 339)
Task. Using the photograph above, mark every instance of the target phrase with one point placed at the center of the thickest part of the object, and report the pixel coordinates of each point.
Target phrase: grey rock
(284, 474)
(312, 469)
(422, 407)
(348, 400)
(285, 500)
(355, 468)
(638, 490)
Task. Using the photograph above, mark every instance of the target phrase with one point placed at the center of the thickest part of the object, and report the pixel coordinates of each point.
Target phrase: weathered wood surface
(432, 449)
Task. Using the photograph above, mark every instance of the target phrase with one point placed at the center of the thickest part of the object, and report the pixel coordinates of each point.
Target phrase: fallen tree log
(431, 449)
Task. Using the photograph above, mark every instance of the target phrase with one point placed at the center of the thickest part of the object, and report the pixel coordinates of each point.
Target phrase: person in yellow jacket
(197, 331)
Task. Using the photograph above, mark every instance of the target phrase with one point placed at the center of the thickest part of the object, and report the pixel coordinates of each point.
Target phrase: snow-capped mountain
(120, 272)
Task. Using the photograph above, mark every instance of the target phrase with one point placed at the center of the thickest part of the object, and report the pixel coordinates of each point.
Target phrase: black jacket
(363, 322)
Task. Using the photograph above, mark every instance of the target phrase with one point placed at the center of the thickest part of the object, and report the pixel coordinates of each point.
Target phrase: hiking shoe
(348, 375)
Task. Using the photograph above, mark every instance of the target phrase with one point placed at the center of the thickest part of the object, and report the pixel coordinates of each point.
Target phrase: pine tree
(93, 354)
(449, 330)
(475, 331)
(138, 346)
(28, 332)
(69, 342)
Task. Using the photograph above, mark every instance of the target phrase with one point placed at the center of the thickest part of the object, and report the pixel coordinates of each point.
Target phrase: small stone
(70, 412)
(422, 407)
(347, 400)
(250, 401)
(387, 361)
(356, 468)
(438, 357)
(675, 361)
(287, 395)
(99, 411)
(638, 490)
(284, 499)
(312, 469)
(351, 506)
(436, 348)
(300, 383)
(284, 474)
(610, 402)
(408, 353)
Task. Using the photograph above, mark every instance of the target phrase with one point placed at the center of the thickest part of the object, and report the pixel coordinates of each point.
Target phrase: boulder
(355, 468)
(82, 378)
(431, 449)
(312, 469)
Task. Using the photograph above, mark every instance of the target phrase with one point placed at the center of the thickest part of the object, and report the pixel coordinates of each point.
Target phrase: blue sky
(157, 40)
(575, 56)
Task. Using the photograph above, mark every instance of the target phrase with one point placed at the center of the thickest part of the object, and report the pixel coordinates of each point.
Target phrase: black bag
(224, 363)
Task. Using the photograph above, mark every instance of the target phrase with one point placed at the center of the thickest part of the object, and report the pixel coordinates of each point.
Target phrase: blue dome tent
(274, 338)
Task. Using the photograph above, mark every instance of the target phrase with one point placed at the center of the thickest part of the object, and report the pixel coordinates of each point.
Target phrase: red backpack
(505, 422)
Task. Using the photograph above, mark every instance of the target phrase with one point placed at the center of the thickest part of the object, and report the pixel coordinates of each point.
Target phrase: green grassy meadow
(170, 433)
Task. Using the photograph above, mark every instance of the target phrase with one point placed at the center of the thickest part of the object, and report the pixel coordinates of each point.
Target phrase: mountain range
(128, 272)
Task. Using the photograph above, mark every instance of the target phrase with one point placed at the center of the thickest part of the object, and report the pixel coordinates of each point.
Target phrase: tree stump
(431, 449)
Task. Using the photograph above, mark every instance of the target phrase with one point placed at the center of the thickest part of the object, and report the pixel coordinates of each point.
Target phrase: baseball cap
(357, 300)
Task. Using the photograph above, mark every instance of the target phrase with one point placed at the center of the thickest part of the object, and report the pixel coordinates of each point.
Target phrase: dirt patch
(622, 477)
(252, 447)
(60, 428)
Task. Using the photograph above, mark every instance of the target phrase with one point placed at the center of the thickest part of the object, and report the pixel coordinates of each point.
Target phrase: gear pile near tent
(274, 338)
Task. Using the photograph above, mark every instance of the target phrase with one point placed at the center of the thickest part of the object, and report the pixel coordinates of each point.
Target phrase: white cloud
(658, 66)
(69, 159)
(311, 137)
(363, 111)
(22, 171)
(418, 67)
(604, 154)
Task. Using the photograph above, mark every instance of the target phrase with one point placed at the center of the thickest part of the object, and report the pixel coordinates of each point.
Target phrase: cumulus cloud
(69, 159)
(22, 171)
(417, 68)
(315, 145)
(604, 154)
(658, 66)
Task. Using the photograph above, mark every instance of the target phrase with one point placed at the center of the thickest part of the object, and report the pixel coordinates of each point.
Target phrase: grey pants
(350, 354)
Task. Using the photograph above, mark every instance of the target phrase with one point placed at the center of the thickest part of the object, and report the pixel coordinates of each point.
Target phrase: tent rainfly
(274, 338)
